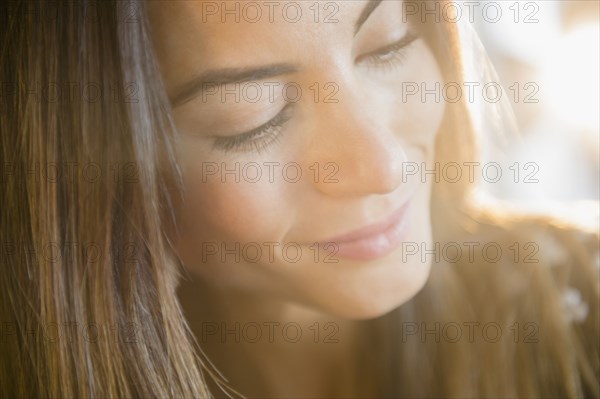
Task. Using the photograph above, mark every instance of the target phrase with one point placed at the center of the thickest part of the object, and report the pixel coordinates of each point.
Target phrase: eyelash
(397, 51)
(251, 141)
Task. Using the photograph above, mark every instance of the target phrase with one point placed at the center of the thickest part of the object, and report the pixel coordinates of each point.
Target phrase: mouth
(373, 241)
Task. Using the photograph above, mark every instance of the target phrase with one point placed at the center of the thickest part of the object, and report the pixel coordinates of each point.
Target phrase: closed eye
(256, 139)
(263, 136)
(389, 55)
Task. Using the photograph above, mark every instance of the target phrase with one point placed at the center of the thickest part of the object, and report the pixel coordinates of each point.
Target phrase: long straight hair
(480, 327)
(88, 279)
(87, 287)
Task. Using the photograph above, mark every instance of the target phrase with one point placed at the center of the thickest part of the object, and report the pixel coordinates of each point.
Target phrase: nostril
(386, 168)
(375, 169)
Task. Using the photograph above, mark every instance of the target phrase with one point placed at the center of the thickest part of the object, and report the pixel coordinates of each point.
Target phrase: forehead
(234, 17)
(202, 34)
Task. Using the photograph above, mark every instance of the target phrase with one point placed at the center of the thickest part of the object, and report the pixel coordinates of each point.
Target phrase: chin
(371, 298)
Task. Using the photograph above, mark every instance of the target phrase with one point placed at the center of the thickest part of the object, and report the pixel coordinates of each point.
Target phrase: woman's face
(293, 132)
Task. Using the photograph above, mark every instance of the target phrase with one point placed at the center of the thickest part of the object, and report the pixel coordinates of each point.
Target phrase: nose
(355, 149)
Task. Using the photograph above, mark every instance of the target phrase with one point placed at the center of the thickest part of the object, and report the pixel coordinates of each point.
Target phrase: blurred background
(555, 47)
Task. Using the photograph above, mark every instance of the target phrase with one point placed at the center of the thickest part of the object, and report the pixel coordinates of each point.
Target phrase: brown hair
(126, 290)
(537, 348)
(98, 316)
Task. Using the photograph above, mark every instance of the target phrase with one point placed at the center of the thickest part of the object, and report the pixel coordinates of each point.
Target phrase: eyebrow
(219, 77)
(366, 13)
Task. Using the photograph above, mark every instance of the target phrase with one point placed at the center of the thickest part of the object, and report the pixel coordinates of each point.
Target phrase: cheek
(221, 209)
(419, 97)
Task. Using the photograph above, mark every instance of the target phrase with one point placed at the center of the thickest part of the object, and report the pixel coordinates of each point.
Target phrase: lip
(373, 241)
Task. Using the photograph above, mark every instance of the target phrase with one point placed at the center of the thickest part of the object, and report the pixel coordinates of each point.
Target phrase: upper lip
(370, 230)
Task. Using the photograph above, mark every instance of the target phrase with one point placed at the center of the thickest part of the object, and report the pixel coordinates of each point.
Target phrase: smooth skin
(360, 142)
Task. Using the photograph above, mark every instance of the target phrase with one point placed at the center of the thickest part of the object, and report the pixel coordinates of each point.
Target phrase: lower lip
(377, 245)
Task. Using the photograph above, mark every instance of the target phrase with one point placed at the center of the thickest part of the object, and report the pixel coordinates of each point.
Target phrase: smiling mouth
(373, 241)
